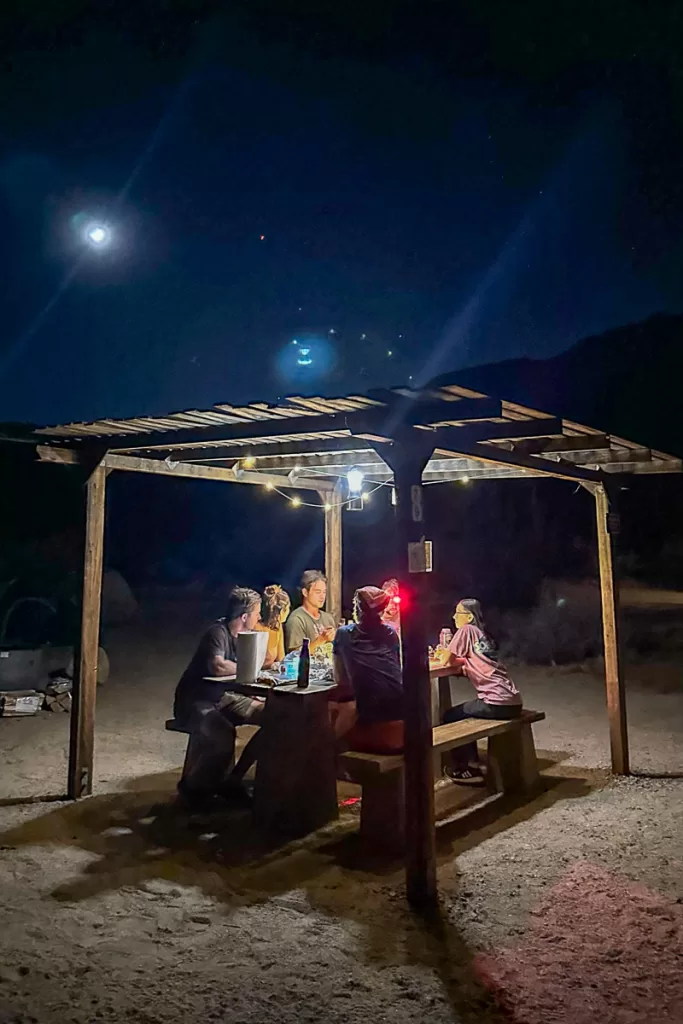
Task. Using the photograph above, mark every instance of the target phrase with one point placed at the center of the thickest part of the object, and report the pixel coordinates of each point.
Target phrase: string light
(296, 502)
(249, 462)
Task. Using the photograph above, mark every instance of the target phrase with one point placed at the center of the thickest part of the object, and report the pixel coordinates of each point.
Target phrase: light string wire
(327, 506)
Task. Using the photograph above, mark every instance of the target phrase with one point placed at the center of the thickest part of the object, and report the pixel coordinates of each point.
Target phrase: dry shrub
(564, 628)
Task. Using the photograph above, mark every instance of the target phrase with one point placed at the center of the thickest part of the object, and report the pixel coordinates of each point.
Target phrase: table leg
(296, 786)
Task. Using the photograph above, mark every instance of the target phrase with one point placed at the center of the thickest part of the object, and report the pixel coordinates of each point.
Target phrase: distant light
(294, 341)
(354, 479)
(363, 337)
(97, 235)
(262, 238)
(295, 501)
(331, 331)
(390, 353)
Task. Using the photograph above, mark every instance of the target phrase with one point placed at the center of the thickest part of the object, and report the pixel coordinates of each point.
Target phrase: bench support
(512, 763)
(382, 813)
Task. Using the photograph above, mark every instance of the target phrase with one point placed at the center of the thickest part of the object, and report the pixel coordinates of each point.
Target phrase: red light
(396, 600)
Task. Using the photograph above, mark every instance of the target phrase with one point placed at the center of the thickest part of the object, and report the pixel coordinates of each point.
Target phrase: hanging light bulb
(296, 501)
(354, 479)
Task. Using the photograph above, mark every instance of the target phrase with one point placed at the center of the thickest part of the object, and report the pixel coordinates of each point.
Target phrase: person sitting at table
(310, 620)
(209, 710)
(367, 712)
(473, 651)
(275, 606)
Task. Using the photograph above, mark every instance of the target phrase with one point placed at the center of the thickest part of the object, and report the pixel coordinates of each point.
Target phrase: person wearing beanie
(367, 670)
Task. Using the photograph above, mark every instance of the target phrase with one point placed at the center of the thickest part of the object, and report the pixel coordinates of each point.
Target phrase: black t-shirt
(218, 640)
(373, 667)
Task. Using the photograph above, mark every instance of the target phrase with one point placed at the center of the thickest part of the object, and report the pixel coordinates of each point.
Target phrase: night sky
(404, 188)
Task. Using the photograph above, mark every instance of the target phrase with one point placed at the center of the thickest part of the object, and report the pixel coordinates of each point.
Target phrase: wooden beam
(497, 456)
(133, 464)
(543, 445)
(82, 725)
(231, 452)
(408, 461)
(137, 464)
(333, 550)
(616, 697)
(607, 457)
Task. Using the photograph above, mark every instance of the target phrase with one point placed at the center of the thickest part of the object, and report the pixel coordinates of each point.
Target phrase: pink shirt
(489, 677)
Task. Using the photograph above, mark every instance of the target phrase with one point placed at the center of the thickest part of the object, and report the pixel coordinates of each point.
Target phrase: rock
(200, 919)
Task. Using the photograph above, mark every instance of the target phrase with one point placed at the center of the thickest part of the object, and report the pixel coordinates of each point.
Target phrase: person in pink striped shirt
(473, 651)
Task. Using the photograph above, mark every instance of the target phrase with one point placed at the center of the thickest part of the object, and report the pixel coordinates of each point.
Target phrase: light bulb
(249, 462)
(296, 501)
(354, 479)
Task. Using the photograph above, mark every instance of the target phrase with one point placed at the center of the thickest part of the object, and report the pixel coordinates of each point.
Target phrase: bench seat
(512, 768)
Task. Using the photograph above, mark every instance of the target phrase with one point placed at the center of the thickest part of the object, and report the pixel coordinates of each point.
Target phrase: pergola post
(614, 681)
(82, 726)
(408, 459)
(333, 549)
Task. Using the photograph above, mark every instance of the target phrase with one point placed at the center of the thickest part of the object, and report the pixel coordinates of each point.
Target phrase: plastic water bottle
(445, 637)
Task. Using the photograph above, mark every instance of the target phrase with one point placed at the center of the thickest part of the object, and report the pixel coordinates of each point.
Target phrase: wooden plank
(545, 445)
(295, 791)
(82, 726)
(136, 464)
(358, 422)
(333, 550)
(492, 456)
(366, 766)
(458, 734)
(616, 697)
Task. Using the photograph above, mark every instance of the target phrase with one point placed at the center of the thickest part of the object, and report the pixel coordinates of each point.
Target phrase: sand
(561, 911)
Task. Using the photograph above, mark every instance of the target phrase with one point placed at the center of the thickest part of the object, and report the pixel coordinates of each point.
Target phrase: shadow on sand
(139, 835)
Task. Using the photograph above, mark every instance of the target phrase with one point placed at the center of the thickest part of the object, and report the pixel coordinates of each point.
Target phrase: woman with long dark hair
(475, 653)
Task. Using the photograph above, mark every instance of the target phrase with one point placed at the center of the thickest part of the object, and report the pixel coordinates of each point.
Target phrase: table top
(262, 689)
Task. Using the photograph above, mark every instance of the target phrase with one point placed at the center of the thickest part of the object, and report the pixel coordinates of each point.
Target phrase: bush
(564, 628)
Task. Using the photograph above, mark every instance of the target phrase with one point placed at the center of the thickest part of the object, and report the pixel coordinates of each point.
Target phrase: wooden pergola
(401, 437)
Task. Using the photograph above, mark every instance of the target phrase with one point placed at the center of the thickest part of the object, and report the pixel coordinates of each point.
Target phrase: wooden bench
(512, 768)
(173, 725)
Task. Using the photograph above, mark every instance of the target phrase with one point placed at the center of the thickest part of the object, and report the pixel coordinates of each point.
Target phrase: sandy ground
(562, 910)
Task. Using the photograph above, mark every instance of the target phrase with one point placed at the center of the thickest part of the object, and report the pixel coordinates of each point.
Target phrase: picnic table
(295, 790)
